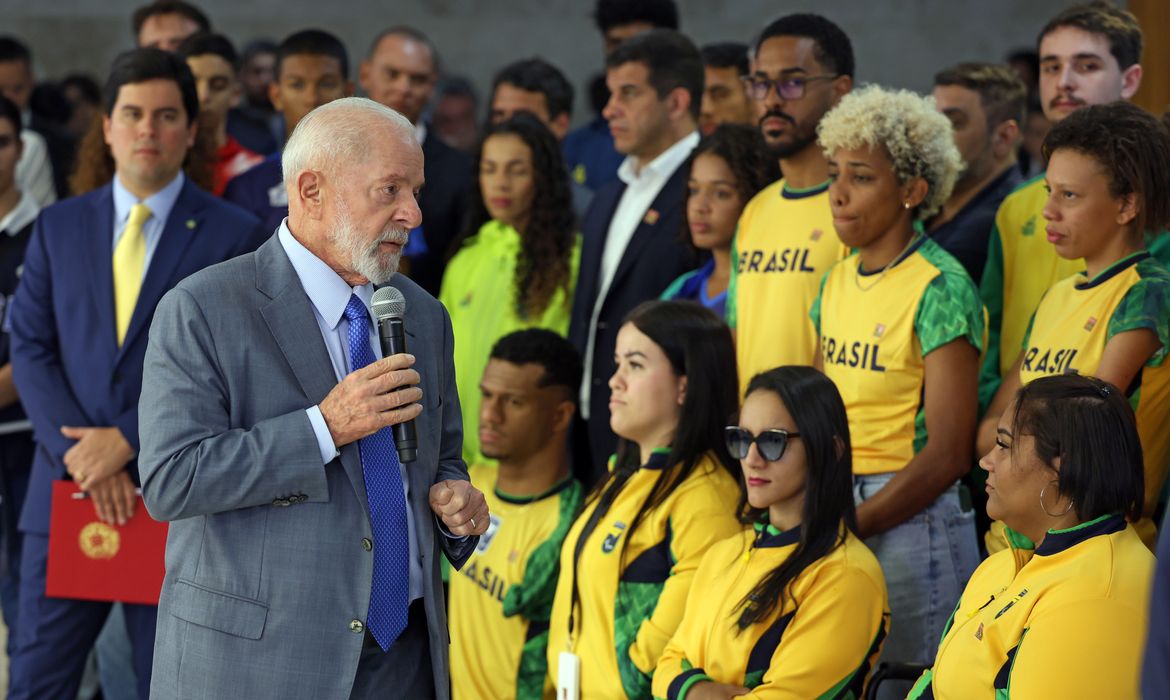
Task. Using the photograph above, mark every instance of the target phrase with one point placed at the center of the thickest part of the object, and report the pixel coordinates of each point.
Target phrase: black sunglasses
(770, 443)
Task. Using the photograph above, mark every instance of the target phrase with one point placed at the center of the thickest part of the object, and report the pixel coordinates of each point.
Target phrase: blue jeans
(926, 561)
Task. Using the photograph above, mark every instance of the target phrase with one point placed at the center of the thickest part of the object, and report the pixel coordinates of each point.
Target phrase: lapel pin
(651, 217)
(191, 224)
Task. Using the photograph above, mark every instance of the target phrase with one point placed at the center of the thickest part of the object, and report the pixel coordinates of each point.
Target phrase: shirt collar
(23, 214)
(667, 162)
(160, 203)
(325, 288)
(1057, 541)
(768, 535)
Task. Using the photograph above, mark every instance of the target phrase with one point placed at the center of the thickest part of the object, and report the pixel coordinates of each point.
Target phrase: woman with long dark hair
(628, 560)
(724, 172)
(516, 267)
(798, 603)
(1061, 613)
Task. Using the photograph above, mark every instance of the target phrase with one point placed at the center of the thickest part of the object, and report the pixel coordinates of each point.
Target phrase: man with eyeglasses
(803, 65)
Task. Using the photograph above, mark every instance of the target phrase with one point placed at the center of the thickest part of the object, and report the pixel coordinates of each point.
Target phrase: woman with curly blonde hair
(901, 328)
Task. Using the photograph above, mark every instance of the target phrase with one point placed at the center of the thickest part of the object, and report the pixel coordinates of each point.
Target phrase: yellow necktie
(129, 259)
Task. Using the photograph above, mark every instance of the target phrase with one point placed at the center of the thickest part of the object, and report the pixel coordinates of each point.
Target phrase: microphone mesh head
(388, 302)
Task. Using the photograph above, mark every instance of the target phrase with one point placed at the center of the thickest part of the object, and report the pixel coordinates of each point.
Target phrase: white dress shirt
(642, 187)
(329, 295)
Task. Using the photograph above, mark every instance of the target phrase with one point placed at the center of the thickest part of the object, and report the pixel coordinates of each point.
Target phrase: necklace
(884, 270)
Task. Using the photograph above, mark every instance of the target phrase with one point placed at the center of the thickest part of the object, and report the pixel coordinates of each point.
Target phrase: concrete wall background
(897, 42)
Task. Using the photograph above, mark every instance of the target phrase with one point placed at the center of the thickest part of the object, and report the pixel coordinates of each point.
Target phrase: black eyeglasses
(789, 89)
(770, 443)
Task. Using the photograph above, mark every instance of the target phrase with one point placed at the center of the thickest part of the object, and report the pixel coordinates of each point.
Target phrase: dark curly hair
(546, 244)
(1132, 147)
(743, 149)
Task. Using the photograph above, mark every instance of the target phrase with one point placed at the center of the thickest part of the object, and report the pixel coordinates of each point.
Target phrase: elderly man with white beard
(303, 553)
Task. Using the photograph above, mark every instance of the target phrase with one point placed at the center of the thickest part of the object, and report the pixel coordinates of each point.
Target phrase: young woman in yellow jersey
(901, 327)
(1067, 618)
(629, 558)
(795, 606)
(1108, 185)
(517, 265)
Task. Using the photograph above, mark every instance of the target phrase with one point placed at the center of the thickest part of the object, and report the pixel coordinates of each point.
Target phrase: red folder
(92, 560)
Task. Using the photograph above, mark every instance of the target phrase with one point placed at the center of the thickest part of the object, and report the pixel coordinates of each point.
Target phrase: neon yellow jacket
(479, 291)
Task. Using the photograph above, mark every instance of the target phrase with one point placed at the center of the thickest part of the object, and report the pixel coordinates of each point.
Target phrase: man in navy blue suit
(95, 269)
(631, 245)
(312, 69)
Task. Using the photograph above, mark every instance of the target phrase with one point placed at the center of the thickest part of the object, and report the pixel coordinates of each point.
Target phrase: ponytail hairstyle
(819, 413)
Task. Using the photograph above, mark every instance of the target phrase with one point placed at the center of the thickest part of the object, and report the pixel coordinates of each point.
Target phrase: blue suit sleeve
(36, 354)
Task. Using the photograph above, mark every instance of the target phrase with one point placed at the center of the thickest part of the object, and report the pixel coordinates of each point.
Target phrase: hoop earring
(1045, 508)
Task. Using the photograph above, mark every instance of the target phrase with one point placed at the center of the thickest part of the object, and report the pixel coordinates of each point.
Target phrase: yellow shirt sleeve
(837, 627)
(1091, 649)
(691, 630)
(693, 534)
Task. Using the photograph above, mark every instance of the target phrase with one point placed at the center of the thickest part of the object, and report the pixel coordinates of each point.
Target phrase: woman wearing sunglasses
(629, 558)
(797, 604)
(1066, 619)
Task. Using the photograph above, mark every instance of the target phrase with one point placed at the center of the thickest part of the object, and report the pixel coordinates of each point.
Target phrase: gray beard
(365, 258)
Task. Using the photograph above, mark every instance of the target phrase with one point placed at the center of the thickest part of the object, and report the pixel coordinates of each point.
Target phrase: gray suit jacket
(267, 574)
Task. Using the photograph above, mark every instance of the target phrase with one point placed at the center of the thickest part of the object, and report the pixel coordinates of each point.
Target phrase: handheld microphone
(390, 309)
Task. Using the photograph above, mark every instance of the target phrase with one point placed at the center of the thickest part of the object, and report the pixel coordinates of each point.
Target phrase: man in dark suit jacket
(633, 242)
(79, 322)
(400, 72)
(297, 536)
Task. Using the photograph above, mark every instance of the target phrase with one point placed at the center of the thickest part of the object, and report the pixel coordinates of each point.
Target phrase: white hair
(337, 132)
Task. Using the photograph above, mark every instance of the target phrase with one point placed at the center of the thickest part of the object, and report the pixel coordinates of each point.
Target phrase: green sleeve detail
(732, 283)
(991, 292)
(949, 309)
(1159, 246)
(690, 682)
(635, 604)
(532, 598)
(814, 312)
(1031, 323)
(922, 685)
(533, 669)
(672, 290)
(1146, 305)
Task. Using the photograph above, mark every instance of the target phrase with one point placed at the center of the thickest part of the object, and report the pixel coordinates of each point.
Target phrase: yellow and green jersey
(1065, 621)
(632, 586)
(501, 599)
(1021, 266)
(479, 291)
(876, 330)
(1068, 334)
(821, 641)
(784, 244)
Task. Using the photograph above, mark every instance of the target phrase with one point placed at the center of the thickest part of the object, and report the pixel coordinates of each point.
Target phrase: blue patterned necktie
(390, 592)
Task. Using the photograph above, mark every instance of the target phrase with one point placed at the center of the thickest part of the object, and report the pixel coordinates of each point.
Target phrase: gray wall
(897, 42)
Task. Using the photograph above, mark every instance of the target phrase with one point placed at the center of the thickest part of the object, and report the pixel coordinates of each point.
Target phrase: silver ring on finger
(472, 523)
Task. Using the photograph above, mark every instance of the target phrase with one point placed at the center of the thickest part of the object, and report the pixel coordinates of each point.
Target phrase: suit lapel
(594, 247)
(99, 249)
(669, 199)
(292, 322)
(179, 230)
